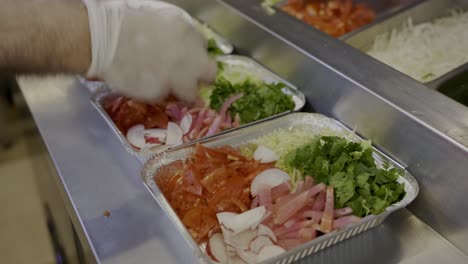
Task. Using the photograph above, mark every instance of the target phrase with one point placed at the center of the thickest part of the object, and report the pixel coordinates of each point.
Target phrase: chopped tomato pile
(127, 113)
(334, 17)
(210, 181)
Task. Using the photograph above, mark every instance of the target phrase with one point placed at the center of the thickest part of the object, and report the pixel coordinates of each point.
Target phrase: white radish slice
(235, 259)
(186, 123)
(156, 133)
(245, 221)
(265, 155)
(225, 216)
(247, 256)
(242, 240)
(268, 252)
(270, 177)
(174, 134)
(136, 137)
(218, 248)
(264, 230)
(259, 242)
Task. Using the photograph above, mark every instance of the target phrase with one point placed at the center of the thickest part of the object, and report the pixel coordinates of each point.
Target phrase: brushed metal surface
(95, 173)
(418, 126)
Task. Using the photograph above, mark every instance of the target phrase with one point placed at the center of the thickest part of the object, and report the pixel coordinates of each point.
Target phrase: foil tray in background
(225, 46)
(241, 64)
(419, 12)
(318, 124)
(383, 10)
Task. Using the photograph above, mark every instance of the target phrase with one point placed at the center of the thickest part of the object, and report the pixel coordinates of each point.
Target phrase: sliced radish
(156, 133)
(258, 243)
(265, 155)
(136, 137)
(218, 248)
(186, 123)
(242, 222)
(174, 134)
(242, 240)
(346, 220)
(247, 256)
(270, 177)
(268, 252)
(235, 259)
(264, 230)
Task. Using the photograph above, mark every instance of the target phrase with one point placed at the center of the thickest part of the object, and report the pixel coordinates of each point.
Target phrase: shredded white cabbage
(425, 51)
(283, 141)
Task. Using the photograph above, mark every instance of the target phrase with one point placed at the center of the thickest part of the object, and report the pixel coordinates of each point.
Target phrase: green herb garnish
(351, 169)
(260, 99)
(213, 48)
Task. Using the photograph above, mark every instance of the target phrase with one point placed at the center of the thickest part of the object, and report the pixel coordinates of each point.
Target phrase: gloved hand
(147, 49)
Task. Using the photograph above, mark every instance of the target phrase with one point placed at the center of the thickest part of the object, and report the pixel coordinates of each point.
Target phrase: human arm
(50, 36)
(143, 49)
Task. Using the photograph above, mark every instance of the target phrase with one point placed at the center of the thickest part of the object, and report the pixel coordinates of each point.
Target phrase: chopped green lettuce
(351, 169)
(260, 99)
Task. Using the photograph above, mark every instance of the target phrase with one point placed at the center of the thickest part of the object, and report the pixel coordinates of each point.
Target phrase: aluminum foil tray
(318, 124)
(383, 10)
(240, 64)
(419, 12)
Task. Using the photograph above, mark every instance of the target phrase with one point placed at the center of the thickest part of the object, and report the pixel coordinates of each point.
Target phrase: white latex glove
(147, 49)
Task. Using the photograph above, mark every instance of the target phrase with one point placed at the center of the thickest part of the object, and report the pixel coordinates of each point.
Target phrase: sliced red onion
(264, 196)
(327, 217)
(227, 104)
(214, 126)
(287, 210)
(342, 212)
(346, 220)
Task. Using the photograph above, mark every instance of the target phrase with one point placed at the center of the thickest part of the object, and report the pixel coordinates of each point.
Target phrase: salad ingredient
(264, 230)
(217, 248)
(264, 154)
(425, 51)
(244, 237)
(351, 169)
(270, 178)
(243, 222)
(127, 113)
(136, 137)
(213, 48)
(186, 123)
(174, 134)
(259, 100)
(259, 242)
(268, 252)
(334, 17)
(210, 181)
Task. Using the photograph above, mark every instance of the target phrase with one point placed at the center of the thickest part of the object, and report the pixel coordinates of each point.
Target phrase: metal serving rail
(97, 174)
(417, 126)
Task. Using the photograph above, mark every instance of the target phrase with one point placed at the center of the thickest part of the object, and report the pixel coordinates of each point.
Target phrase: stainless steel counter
(97, 174)
(419, 127)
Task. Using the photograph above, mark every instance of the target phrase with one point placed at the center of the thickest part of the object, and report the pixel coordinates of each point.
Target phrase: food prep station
(420, 128)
